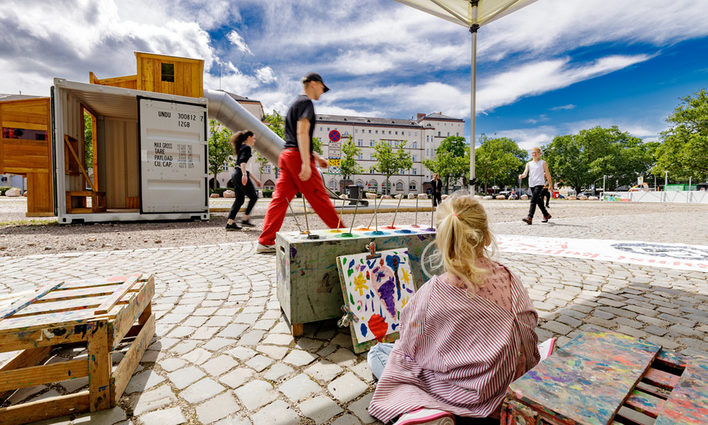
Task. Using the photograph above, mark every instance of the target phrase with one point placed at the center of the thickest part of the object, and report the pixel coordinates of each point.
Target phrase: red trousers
(287, 186)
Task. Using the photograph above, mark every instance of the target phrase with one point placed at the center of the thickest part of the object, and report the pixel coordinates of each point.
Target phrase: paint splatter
(364, 330)
(378, 326)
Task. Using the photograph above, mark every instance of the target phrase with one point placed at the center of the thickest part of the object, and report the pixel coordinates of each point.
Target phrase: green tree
(498, 160)
(566, 163)
(219, 148)
(276, 123)
(684, 148)
(88, 141)
(451, 162)
(349, 165)
(389, 162)
(317, 145)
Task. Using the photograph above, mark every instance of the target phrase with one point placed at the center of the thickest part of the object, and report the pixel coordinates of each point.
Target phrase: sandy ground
(21, 236)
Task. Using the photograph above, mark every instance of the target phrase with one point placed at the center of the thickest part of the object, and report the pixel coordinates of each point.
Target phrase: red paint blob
(378, 326)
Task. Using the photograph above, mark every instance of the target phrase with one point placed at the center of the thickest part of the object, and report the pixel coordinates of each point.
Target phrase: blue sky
(554, 67)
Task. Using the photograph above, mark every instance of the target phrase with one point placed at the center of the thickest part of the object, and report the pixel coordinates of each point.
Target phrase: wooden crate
(607, 378)
(95, 314)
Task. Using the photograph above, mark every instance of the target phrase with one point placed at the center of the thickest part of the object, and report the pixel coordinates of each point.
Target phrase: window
(225, 167)
(360, 142)
(438, 134)
(448, 134)
(427, 138)
(395, 133)
(399, 187)
(413, 158)
(369, 131)
(360, 156)
(355, 130)
(332, 185)
(412, 186)
(371, 143)
(371, 156)
(415, 145)
(167, 71)
(389, 132)
(457, 134)
(376, 131)
(414, 172)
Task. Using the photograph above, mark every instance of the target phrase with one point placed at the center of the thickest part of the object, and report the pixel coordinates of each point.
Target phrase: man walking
(437, 190)
(537, 170)
(297, 166)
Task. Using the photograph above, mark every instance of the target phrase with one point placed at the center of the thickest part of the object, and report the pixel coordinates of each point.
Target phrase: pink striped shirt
(459, 353)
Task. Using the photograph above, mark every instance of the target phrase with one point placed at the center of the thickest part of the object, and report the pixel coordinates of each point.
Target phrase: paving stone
(143, 381)
(679, 330)
(242, 353)
(182, 378)
(72, 385)
(102, 417)
(278, 371)
(201, 390)
(656, 330)
(237, 377)
(347, 387)
(343, 340)
(364, 371)
(299, 387)
(233, 331)
(172, 416)
(154, 399)
(273, 351)
(219, 365)
(184, 347)
(361, 409)
(255, 394)
(557, 328)
(259, 363)
(278, 339)
(299, 358)
(195, 321)
(217, 408)
(182, 331)
(343, 357)
(276, 413)
(216, 344)
(251, 338)
(664, 342)
(324, 371)
(218, 321)
(346, 419)
(320, 409)
(197, 356)
(568, 320)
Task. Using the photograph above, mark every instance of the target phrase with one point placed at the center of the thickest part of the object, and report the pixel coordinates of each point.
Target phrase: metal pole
(603, 186)
(473, 100)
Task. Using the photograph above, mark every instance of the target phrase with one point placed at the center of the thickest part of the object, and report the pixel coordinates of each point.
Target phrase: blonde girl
(465, 335)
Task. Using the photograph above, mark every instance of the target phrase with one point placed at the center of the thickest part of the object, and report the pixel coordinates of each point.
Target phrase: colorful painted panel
(375, 291)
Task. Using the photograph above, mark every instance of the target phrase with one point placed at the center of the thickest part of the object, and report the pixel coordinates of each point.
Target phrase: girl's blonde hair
(463, 237)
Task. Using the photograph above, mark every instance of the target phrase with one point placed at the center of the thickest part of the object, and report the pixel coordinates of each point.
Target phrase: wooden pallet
(606, 378)
(95, 314)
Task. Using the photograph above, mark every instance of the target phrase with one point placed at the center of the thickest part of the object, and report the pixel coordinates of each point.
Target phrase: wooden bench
(607, 378)
(96, 314)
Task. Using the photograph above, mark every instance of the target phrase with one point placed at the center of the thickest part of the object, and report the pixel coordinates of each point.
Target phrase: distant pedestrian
(242, 143)
(297, 167)
(437, 190)
(537, 170)
(545, 195)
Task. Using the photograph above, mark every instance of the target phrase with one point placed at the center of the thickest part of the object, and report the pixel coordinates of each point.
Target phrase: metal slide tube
(235, 117)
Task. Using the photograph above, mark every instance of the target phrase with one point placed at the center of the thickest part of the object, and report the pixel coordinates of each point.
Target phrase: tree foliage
(580, 160)
(498, 160)
(349, 165)
(219, 148)
(390, 162)
(451, 162)
(88, 140)
(684, 151)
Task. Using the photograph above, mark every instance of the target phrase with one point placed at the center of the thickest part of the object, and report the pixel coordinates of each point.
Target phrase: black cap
(313, 76)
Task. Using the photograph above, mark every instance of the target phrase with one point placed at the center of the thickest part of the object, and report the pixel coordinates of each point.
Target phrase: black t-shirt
(244, 154)
(301, 108)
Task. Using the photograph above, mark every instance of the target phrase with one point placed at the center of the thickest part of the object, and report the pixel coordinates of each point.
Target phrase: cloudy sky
(554, 67)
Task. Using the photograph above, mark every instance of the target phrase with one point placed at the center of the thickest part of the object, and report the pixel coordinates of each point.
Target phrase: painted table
(98, 315)
(603, 378)
(307, 275)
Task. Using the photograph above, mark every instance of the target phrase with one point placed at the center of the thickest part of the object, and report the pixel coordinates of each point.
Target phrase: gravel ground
(21, 236)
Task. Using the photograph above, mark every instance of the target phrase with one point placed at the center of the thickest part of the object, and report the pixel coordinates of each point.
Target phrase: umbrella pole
(473, 100)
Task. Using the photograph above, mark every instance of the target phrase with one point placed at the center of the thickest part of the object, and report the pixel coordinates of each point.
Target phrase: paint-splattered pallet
(95, 314)
(606, 378)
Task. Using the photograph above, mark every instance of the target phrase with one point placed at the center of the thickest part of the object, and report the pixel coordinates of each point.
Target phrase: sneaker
(232, 226)
(265, 249)
(426, 416)
(247, 223)
(527, 220)
(545, 219)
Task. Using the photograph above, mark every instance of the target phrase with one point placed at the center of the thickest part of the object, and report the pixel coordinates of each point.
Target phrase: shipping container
(143, 157)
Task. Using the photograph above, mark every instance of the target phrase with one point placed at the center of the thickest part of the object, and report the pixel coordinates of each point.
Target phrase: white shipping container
(150, 161)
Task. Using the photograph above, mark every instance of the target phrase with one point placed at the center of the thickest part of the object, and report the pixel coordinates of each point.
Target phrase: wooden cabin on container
(25, 150)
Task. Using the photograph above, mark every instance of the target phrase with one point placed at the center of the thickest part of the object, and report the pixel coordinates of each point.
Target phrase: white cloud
(238, 41)
(528, 138)
(266, 75)
(563, 107)
(540, 77)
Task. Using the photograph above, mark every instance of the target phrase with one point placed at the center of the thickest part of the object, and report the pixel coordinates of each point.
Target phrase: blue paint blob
(364, 329)
(394, 326)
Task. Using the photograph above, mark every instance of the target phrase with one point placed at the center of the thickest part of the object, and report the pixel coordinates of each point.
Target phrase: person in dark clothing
(545, 195)
(242, 180)
(437, 190)
(539, 174)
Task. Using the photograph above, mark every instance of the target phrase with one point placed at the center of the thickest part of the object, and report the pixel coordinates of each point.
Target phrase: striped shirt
(459, 353)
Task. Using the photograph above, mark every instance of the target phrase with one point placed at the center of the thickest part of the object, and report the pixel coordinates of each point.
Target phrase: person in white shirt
(537, 170)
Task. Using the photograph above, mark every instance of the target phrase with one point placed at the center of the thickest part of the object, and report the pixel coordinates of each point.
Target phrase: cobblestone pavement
(223, 353)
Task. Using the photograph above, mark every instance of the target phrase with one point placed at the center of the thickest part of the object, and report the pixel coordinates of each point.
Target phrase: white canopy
(471, 14)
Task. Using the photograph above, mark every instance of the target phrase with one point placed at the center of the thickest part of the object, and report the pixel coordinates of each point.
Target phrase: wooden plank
(645, 403)
(117, 294)
(92, 283)
(55, 320)
(94, 291)
(654, 390)
(61, 305)
(67, 142)
(99, 366)
(26, 358)
(660, 378)
(625, 415)
(672, 359)
(145, 315)
(44, 337)
(129, 313)
(43, 409)
(37, 375)
(127, 366)
(24, 302)
(688, 403)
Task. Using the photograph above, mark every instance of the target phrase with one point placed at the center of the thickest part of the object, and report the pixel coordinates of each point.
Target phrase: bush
(219, 190)
(4, 189)
(267, 193)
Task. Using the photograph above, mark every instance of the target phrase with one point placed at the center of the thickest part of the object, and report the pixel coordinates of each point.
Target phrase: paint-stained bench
(98, 315)
(606, 378)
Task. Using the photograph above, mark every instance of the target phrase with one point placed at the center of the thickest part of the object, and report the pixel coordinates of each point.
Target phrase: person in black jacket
(242, 180)
(437, 190)
(545, 195)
